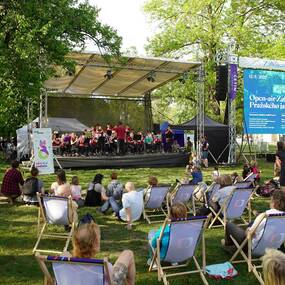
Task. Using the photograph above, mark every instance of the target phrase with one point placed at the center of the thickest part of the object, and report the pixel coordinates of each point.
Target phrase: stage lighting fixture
(151, 76)
(109, 74)
(183, 78)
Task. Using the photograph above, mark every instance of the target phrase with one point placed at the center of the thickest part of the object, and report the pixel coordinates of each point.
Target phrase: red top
(11, 181)
(121, 132)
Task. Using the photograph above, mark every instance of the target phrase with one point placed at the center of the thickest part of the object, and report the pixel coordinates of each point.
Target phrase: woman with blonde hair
(86, 244)
(273, 263)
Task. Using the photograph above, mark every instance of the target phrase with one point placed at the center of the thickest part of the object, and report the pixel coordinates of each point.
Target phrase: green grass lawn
(18, 231)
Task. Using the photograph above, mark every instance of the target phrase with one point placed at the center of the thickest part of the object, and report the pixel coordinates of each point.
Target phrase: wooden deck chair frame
(43, 225)
(148, 214)
(248, 258)
(48, 277)
(171, 195)
(161, 269)
(223, 209)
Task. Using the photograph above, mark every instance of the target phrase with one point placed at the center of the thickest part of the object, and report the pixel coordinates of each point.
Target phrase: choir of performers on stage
(117, 140)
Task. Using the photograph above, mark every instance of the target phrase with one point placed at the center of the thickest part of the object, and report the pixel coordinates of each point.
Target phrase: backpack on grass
(30, 187)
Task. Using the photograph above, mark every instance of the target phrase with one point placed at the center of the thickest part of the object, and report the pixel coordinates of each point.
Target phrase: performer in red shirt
(121, 136)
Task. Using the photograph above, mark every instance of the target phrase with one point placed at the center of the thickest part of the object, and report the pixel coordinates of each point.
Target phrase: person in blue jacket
(177, 211)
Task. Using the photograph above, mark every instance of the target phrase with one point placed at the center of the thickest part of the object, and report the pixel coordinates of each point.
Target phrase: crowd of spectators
(127, 204)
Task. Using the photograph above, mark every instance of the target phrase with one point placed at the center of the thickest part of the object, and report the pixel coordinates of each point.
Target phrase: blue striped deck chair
(273, 236)
(250, 177)
(54, 210)
(243, 184)
(183, 193)
(185, 237)
(77, 271)
(210, 191)
(233, 208)
(153, 207)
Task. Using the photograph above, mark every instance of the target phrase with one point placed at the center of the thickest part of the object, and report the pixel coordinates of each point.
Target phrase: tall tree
(35, 36)
(200, 29)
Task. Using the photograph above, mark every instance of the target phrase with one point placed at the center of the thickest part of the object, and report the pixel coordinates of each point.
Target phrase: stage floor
(126, 161)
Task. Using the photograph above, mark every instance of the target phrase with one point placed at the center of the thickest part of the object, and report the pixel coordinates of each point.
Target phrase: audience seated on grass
(95, 191)
(11, 182)
(277, 206)
(273, 263)
(32, 186)
(197, 175)
(114, 192)
(254, 169)
(60, 187)
(86, 244)
(76, 191)
(132, 205)
(152, 182)
(236, 177)
(216, 173)
(177, 211)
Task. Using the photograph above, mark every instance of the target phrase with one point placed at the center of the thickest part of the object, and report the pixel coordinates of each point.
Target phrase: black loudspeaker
(270, 157)
(221, 82)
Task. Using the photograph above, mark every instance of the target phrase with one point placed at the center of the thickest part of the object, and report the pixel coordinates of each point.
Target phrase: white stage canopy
(129, 79)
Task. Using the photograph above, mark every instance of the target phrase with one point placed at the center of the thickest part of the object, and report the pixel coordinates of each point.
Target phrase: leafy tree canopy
(36, 35)
(200, 30)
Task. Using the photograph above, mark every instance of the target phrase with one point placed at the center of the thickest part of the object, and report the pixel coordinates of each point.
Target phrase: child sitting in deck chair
(177, 211)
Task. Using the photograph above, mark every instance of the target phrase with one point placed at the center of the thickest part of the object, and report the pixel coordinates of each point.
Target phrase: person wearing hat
(96, 191)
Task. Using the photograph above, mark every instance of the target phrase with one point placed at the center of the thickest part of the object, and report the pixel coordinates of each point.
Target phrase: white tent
(61, 125)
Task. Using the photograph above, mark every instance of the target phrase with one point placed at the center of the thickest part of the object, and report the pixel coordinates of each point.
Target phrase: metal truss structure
(200, 110)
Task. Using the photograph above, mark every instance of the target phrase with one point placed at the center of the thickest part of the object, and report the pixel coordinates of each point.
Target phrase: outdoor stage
(127, 161)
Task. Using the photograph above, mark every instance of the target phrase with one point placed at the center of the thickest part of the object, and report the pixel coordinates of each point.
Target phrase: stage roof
(129, 79)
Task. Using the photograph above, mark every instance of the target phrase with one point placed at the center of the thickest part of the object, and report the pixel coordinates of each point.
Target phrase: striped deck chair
(153, 206)
(183, 193)
(250, 177)
(233, 208)
(243, 184)
(273, 236)
(54, 210)
(210, 191)
(70, 270)
(185, 236)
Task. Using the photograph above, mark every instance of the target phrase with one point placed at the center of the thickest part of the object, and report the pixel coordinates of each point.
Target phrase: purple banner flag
(233, 81)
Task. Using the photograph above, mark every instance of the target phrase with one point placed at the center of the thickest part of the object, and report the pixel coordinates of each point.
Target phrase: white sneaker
(174, 263)
(154, 266)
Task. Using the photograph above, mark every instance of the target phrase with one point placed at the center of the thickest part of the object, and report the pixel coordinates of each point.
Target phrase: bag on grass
(267, 189)
(115, 190)
(86, 219)
(30, 186)
(221, 271)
